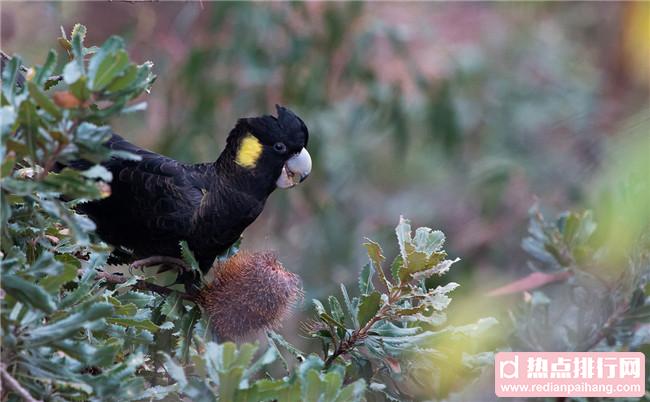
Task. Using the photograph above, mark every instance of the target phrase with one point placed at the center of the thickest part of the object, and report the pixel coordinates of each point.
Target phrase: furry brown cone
(250, 292)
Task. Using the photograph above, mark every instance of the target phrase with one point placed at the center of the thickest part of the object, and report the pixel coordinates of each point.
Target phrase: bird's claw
(160, 260)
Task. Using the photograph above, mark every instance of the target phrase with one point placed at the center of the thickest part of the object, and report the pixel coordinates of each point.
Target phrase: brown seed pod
(250, 292)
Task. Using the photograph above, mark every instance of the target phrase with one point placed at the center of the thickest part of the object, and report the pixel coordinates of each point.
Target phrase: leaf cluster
(603, 305)
(70, 331)
(65, 335)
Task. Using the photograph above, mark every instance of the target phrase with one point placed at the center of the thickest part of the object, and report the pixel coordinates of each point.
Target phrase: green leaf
(438, 298)
(365, 280)
(43, 73)
(325, 316)
(396, 266)
(279, 339)
(350, 305)
(139, 299)
(98, 172)
(188, 256)
(72, 72)
(78, 36)
(126, 79)
(269, 356)
(79, 30)
(7, 120)
(79, 89)
(9, 76)
(134, 323)
(335, 309)
(368, 307)
(108, 70)
(427, 240)
(185, 330)
(353, 392)
(45, 264)
(311, 386)
(403, 232)
(438, 269)
(54, 282)
(30, 120)
(175, 371)
(419, 254)
(107, 63)
(66, 327)
(377, 258)
(43, 100)
(172, 306)
(28, 293)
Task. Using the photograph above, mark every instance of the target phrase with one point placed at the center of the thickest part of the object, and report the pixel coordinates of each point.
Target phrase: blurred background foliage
(461, 116)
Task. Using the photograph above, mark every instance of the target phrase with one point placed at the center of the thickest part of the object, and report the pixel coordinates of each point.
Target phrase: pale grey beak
(295, 170)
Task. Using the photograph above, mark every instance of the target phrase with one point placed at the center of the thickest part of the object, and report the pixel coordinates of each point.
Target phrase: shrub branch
(15, 386)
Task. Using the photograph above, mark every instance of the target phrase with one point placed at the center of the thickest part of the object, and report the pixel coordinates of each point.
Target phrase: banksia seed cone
(250, 292)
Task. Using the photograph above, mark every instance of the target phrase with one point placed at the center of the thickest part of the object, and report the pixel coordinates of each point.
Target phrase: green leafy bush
(72, 331)
(601, 302)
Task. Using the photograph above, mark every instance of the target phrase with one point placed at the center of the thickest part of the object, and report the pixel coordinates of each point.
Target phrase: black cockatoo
(157, 201)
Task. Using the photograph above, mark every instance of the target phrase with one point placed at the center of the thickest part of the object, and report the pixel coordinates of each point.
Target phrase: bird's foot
(161, 260)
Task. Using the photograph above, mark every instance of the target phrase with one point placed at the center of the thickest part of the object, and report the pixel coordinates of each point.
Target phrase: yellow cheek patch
(249, 152)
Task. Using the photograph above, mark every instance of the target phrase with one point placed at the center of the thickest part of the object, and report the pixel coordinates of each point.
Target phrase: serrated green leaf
(43, 73)
(396, 267)
(7, 120)
(175, 371)
(9, 76)
(79, 30)
(365, 279)
(98, 172)
(77, 38)
(63, 328)
(188, 256)
(125, 79)
(269, 356)
(427, 240)
(28, 293)
(439, 269)
(30, 121)
(419, 261)
(325, 316)
(53, 283)
(368, 307)
(185, 330)
(107, 63)
(311, 386)
(353, 392)
(72, 72)
(139, 299)
(79, 89)
(351, 307)
(335, 309)
(108, 70)
(377, 258)
(134, 323)
(403, 233)
(172, 306)
(279, 339)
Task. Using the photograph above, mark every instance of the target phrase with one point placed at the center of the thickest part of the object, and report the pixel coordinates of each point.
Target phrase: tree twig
(15, 386)
(604, 331)
(357, 336)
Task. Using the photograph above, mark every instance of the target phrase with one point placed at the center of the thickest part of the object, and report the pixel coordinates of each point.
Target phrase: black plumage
(157, 201)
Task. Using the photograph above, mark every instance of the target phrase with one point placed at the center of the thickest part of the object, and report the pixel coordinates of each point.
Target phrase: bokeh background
(459, 116)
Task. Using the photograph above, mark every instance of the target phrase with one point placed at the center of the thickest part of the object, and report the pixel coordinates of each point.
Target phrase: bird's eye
(279, 147)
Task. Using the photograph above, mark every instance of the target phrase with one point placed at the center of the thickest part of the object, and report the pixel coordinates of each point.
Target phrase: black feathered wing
(152, 203)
